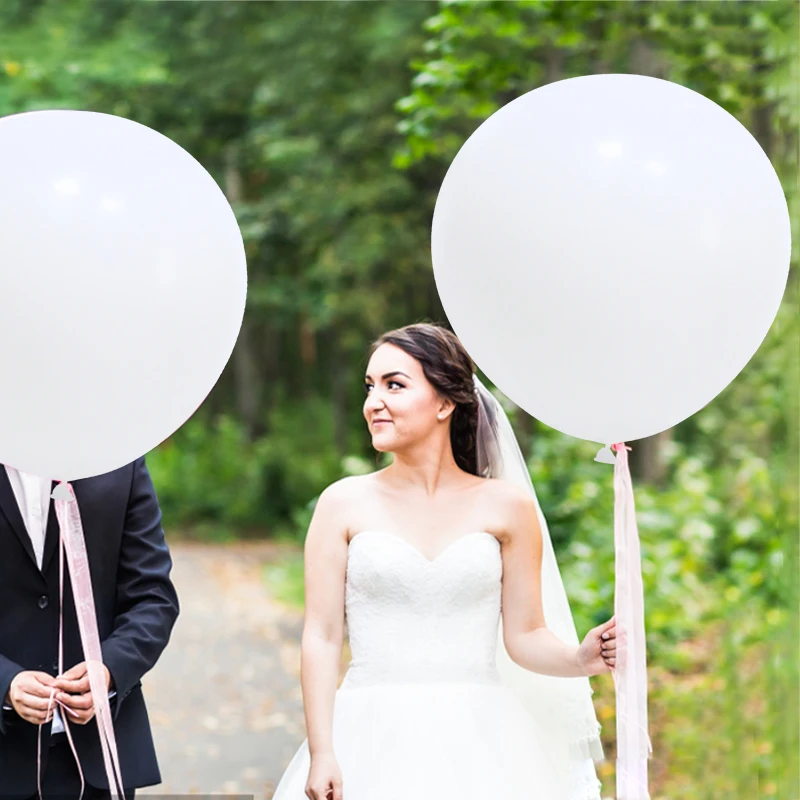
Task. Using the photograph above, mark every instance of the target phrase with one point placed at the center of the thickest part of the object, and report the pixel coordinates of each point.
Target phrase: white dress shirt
(33, 499)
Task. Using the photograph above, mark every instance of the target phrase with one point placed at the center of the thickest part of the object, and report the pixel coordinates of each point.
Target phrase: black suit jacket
(136, 606)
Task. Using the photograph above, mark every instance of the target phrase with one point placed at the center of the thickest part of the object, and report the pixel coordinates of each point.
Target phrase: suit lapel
(10, 509)
(52, 538)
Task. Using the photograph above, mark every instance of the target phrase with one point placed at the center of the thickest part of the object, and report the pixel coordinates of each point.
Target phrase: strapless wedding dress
(421, 713)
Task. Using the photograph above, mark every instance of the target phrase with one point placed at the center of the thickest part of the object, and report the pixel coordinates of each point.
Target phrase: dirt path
(224, 699)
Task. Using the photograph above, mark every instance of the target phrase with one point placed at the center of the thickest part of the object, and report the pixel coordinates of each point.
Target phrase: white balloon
(122, 290)
(611, 250)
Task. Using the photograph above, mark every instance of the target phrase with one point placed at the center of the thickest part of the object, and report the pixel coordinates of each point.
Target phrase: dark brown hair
(449, 369)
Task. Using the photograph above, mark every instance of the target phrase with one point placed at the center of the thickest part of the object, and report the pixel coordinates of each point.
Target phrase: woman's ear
(446, 407)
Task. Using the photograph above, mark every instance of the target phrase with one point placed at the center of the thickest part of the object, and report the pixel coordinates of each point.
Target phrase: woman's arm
(323, 628)
(527, 639)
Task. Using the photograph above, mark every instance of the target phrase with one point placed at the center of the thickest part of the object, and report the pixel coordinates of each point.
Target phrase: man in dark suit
(136, 606)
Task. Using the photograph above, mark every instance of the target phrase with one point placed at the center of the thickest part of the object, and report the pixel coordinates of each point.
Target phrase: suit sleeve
(147, 603)
(8, 670)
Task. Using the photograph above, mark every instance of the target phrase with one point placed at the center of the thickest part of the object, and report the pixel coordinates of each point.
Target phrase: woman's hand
(324, 779)
(597, 653)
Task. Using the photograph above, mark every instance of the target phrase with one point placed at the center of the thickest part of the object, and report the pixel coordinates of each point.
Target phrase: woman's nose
(373, 401)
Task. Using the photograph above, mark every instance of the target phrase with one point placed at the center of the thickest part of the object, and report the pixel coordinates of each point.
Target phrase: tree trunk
(647, 460)
(269, 350)
(246, 381)
(526, 426)
(308, 354)
(247, 385)
(341, 374)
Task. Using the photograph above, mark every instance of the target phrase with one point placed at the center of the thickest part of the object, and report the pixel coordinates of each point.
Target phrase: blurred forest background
(329, 126)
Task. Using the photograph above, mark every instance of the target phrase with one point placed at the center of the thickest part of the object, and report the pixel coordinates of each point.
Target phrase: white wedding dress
(421, 713)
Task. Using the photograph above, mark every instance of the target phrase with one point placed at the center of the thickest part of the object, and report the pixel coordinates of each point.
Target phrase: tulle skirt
(436, 741)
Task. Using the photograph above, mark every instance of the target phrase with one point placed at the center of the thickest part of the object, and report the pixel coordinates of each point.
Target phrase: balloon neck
(61, 492)
(605, 456)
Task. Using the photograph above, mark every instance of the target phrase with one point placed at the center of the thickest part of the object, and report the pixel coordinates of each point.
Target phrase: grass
(285, 580)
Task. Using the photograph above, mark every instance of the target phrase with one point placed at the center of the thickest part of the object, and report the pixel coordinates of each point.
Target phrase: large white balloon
(122, 290)
(611, 250)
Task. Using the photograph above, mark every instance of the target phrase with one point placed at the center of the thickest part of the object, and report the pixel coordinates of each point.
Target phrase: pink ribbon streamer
(72, 543)
(51, 699)
(630, 675)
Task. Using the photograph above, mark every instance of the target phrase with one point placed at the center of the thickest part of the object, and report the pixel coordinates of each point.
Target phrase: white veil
(562, 706)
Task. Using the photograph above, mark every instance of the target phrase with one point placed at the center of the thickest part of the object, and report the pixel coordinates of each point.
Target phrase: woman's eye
(368, 386)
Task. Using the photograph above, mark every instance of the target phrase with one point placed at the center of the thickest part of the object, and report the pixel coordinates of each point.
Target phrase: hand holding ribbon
(597, 652)
(31, 695)
(74, 692)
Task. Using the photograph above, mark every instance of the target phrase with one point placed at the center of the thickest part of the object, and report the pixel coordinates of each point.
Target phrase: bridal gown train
(421, 713)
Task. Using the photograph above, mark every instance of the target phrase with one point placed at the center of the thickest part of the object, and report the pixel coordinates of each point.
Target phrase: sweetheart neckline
(415, 549)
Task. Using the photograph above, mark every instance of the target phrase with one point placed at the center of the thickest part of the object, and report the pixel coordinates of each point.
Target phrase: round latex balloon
(122, 290)
(611, 250)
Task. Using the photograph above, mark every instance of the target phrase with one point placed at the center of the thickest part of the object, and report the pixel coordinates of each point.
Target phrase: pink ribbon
(72, 544)
(630, 675)
(51, 699)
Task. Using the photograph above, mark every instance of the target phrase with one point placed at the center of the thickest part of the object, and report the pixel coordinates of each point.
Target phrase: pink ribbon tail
(51, 699)
(630, 674)
(73, 545)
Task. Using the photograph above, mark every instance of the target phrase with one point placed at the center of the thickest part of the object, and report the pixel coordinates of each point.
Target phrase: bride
(442, 569)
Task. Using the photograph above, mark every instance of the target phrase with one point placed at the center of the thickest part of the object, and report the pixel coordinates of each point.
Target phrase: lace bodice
(413, 619)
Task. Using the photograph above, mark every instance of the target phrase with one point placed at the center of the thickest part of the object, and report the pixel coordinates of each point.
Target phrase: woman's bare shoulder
(497, 489)
(347, 490)
(333, 510)
(509, 503)
(344, 500)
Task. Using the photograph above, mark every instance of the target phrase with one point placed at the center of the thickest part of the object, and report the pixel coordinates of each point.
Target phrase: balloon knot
(605, 456)
(61, 492)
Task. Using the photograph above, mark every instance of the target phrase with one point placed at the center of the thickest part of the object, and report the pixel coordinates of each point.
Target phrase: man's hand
(76, 694)
(29, 694)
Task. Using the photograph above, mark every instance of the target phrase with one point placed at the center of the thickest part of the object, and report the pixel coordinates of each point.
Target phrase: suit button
(43, 601)
(55, 666)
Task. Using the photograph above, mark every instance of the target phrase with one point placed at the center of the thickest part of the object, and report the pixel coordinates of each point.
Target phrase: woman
(425, 561)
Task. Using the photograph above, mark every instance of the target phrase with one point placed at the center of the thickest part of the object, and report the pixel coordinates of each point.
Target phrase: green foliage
(299, 110)
(72, 55)
(719, 546)
(271, 99)
(298, 463)
(679, 529)
(479, 55)
(724, 717)
(209, 475)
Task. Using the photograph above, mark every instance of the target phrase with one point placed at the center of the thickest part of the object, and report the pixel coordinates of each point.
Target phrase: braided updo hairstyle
(449, 369)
